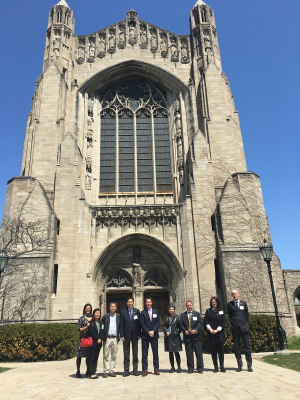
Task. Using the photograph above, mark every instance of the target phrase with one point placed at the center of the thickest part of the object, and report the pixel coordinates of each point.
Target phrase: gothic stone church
(134, 162)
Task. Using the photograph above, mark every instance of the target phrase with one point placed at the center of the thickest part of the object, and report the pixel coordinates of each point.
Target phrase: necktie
(190, 322)
(150, 314)
(237, 305)
(130, 315)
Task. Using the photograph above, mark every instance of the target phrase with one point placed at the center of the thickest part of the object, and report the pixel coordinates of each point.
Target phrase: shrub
(38, 342)
(261, 334)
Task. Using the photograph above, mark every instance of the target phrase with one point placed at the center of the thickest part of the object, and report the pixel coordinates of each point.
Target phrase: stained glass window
(126, 153)
(144, 152)
(108, 153)
(162, 152)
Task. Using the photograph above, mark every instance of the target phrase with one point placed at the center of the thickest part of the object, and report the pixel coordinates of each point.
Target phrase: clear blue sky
(259, 41)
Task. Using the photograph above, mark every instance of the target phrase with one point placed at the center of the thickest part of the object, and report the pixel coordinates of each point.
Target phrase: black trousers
(126, 350)
(192, 346)
(217, 348)
(171, 358)
(93, 358)
(145, 349)
(237, 336)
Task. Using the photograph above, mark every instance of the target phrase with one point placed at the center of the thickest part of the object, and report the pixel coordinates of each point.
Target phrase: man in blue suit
(149, 323)
(130, 331)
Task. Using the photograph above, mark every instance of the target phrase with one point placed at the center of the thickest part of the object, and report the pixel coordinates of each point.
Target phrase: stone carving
(136, 215)
(163, 45)
(207, 44)
(132, 35)
(89, 166)
(90, 121)
(153, 40)
(81, 50)
(184, 51)
(173, 49)
(179, 144)
(90, 107)
(101, 45)
(89, 136)
(112, 41)
(143, 36)
(137, 275)
(91, 49)
(122, 37)
(56, 42)
(89, 150)
(88, 181)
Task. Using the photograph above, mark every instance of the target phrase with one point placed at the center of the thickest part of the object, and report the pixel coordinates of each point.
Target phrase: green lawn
(294, 343)
(3, 369)
(292, 361)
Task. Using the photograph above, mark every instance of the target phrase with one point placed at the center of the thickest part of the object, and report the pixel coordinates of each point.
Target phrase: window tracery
(156, 278)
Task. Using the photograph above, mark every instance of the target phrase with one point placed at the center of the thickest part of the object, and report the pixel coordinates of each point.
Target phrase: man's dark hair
(148, 298)
(113, 303)
(188, 301)
(171, 306)
(129, 298)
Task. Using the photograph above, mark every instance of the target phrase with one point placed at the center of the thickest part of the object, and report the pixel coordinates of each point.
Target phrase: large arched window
(135, 146)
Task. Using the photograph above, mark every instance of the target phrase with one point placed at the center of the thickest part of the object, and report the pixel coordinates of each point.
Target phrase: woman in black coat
(96, 330)
(214, 321)
(173, 345)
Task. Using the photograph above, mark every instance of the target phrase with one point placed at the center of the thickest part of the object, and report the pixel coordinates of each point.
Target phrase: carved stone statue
(101, 44)
(177, 122)
(92, 52)
(181, 173)
(179, 147)
(89, 150)
(184, 53)
(174, 52)
(131, 32)
(122, 39)
(88, 181)
(163, 44)
(153, 40)
(137, 275)
(80, 52)
(112, 41)
(56, 43)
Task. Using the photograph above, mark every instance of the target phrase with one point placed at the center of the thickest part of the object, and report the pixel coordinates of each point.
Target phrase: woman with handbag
(173, 345)
(96, 330)
(83, 352)
(214, 322)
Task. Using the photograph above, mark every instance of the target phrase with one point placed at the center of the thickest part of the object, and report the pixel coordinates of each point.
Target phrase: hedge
(262, 337)
(38, 342)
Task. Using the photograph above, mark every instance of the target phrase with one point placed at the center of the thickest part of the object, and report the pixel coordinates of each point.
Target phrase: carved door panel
(119, 298)
(161, 302)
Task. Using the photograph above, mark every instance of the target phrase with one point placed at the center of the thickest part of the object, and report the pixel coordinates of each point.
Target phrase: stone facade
(189, 220)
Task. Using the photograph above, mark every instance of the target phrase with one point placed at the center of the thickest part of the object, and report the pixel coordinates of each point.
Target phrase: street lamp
(3, 261)
(267, 251)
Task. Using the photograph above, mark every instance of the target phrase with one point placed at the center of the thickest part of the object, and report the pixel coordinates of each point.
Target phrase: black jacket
(196, 324)
(148, 325)
(106, 322)
(130, 330)
(173, 341)
(93, 332)
(215, 319)
(239, 318)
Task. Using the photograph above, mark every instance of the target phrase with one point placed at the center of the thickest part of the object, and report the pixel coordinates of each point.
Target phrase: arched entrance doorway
(139, 265)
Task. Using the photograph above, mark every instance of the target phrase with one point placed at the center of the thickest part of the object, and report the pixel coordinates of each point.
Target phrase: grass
(291, 361)
(294, 343)
(3, 369)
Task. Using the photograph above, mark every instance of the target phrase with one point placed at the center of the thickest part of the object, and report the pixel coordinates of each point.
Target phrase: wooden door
(119, 298)
(160, 301)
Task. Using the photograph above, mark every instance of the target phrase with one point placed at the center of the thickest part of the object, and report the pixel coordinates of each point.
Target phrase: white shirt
(219, 328)
(112, 330)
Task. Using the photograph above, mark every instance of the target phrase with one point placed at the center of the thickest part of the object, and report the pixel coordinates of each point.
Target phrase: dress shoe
(78, 375)
(200, 371)
(135, 373)
(112, 374)
(145, 373)
(126, 374)
(105, 375)
(223, 369)
(250, 369)
(179, 370)
(156, 372)
(239, 369)
(190, 371)
(172, 370)
(216, 369)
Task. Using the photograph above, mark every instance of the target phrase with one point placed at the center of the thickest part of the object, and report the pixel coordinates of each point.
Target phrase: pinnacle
(62, 3)
(199, 3)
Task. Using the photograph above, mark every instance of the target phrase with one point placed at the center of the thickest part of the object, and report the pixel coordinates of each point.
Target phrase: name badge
(241, 307)
(135, 317)
(102, 326)
(221, 312)
(154, 315)
(194, 318)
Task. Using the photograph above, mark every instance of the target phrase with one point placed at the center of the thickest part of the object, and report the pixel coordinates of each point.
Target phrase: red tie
(150, 314)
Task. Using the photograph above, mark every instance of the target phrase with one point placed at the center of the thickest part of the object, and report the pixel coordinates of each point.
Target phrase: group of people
(131, 325)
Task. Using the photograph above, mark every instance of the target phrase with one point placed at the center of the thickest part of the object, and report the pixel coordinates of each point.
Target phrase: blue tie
(237, 305)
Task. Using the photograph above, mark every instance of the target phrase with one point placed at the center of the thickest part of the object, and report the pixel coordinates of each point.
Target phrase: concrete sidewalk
(55, 380)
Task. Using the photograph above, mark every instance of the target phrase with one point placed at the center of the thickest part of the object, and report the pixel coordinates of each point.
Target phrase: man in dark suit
(111, 337)
(239, 316)
(130, 331)
(149, 323)
(190, 325)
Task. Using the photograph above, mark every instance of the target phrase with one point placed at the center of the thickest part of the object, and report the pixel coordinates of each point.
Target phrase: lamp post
(3, 261)
(267, 251)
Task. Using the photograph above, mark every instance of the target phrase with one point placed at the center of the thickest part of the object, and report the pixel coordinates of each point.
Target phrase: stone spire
(199, 3)
(62, 3)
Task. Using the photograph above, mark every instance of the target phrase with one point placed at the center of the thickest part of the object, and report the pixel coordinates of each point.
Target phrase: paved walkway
(55, 380)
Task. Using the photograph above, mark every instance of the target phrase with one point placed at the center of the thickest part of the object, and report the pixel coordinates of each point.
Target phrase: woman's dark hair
(171, 306)
(217, 300)
(93, 317)
(87, 304)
